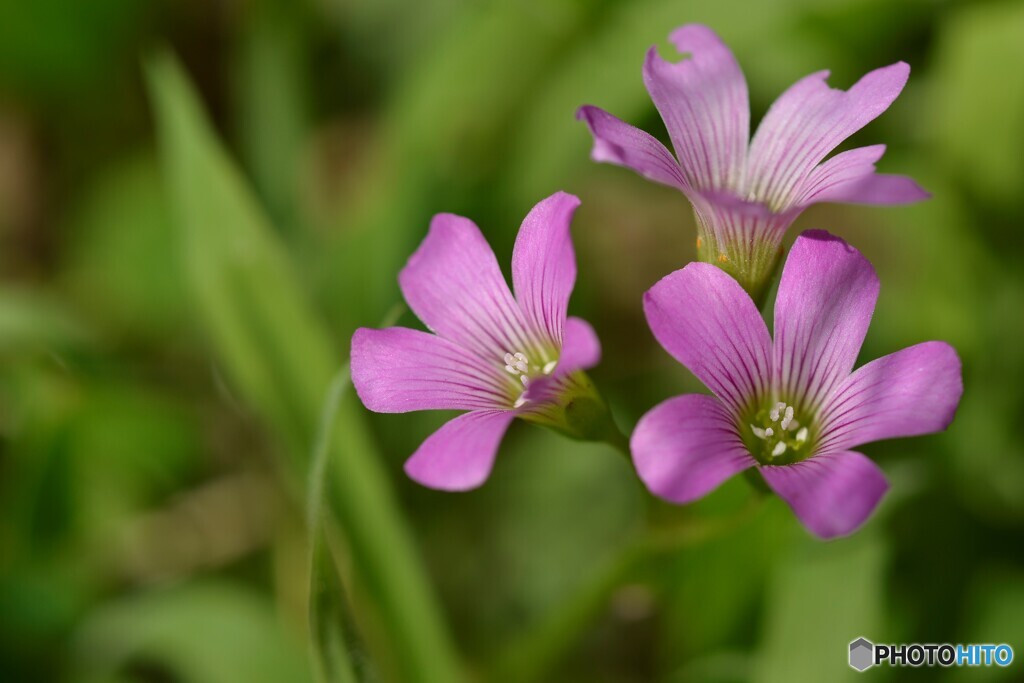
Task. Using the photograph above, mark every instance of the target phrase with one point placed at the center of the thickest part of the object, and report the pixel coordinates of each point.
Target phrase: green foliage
(977, 101)
(171, 321)
(819, 599)
(278, 354)
(206, 633)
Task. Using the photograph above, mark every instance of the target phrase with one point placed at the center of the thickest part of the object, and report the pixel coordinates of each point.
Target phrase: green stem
(327, 605)
(617, 440)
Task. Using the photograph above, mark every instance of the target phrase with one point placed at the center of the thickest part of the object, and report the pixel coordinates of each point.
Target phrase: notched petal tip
(832, 252)
(691, 37)
(444, 229)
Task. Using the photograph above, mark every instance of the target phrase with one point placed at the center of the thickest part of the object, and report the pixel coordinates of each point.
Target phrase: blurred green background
(169, 327)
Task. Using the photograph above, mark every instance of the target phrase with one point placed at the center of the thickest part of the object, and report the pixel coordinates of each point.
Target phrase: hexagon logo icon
(862, 654)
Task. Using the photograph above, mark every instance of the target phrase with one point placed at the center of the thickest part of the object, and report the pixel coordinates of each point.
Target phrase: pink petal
(807, 122)
(617, 142)
(831, 494)
(703, 101)
(398, 370)
(581, 348)
(850, 177)
(880, 189)
(459, 456)
(686, 446)
(826, 298)
(544, 265)
(454, 285)
(709, 324)
(910, 392)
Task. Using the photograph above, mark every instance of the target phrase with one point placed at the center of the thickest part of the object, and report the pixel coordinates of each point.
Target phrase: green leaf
(248, 297)
(279, 356)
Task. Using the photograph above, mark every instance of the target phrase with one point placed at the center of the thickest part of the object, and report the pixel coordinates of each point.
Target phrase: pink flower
(746, 193)
(493, 354)
(793, 407)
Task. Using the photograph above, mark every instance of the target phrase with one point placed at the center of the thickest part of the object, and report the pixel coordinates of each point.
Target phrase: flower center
(518, 365)
(776, 437)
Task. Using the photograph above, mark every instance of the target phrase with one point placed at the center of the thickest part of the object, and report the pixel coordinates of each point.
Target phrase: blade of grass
(327, 608)
(276, 352)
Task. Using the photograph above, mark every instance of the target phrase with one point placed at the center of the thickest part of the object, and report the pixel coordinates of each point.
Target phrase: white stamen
(769, 432)
(801, 436)
(788, 418)
(516, 363)
(774, 414)
(758, 432)
(779, 449)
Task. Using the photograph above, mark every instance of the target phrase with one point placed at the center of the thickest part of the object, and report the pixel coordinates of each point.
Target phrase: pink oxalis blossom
(746, 192)
(495, 354)
(792, 407)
